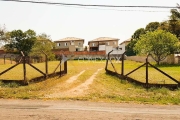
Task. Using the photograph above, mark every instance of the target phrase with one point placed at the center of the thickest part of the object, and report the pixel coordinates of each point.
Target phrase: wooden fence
(25, 60)
(147, 65)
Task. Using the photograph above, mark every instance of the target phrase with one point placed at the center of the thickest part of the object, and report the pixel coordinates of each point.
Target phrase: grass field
(17, 72)
(154, 75)
(104, 87)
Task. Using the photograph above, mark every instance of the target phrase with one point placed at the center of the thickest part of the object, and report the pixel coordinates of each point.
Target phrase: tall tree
(138, 33)
(43, 43)
(4, 36)
(21, 41)
(176, 12)
(152, 26)
(174, 22)
(164, 26)
(129, 48)
(159, 44)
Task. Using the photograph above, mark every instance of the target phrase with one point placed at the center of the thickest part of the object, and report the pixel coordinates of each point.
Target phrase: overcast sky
(83, 22)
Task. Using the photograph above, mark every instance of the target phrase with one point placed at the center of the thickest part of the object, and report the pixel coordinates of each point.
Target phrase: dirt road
(84, 110)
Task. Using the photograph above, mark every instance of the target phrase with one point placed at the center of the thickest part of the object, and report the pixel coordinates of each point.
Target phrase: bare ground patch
(76, 91)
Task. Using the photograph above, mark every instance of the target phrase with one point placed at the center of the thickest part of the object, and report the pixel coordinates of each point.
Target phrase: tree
(43, 43)
(152, 26)
(134, 38)
(164, 26)
(21, 41)
(4, 36)
(138, 33)
(175, 12)
(159, 44)
(174, 22)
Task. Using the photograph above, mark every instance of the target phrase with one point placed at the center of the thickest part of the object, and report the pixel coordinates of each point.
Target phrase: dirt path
(84, 86)
(73, 78)
(77, 91)
(79, 110)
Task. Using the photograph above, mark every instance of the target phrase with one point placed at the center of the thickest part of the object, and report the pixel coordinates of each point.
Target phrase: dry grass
(154, 75)
(104, 87)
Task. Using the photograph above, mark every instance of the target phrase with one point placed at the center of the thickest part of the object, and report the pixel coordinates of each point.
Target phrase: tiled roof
(128, 40)
(104, 39)
(69, 39)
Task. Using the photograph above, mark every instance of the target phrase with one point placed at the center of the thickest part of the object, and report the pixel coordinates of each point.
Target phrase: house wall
(72, 48)
(169, 59)
(77, 43)
(91, 44)
(62, 44)
(113, 43)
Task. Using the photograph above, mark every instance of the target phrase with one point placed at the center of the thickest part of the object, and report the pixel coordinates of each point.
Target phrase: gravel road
(84, 110)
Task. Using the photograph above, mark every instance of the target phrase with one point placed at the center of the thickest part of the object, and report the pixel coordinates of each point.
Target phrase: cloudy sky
(83, 22)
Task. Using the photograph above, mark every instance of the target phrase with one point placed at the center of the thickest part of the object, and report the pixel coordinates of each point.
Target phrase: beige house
(126, 42)
(100, 43)
(70, 44)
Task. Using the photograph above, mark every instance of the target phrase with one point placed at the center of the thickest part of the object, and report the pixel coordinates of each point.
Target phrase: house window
(114, 43)
(65, 44)
(58, 44)
(79, 43)
(93, 44)
(107, 43)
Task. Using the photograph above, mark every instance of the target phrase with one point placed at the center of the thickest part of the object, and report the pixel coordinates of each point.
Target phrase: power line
(88, 5)
(126, 10)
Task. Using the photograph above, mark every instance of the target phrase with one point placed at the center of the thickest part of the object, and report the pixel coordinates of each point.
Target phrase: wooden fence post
(147, 72)
(108, 59)
(24, 67)
(46, 63)
(122, 65)
(60, 65)
(65, 67)
(11, 58)
(4, 59)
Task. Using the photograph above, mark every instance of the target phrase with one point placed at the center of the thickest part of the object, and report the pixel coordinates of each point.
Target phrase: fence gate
(25, 60)
(147, 65)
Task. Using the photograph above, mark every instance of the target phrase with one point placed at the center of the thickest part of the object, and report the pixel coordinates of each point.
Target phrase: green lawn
(154, 75)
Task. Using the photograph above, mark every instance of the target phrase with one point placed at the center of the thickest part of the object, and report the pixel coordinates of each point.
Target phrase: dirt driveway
(84, 110)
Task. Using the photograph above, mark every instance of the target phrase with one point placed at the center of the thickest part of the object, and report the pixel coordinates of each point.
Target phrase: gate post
(60, 65)
(24, 68)
(122, 65)
(65, 67)
(147, 72)
(4, 59)
(11, 58)
(46, 63)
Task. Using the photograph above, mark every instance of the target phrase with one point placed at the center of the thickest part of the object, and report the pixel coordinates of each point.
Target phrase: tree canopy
(21, 41)
(134, 38)
(43, 43)
(152, 26)
(159, 44)
(4, 36)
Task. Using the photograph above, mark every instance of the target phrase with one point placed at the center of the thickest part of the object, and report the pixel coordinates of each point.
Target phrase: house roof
(69, 39)
(126, 41)
(103, 39)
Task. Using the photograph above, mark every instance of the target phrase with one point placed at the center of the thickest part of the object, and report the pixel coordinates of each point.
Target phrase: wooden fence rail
(25, 60)
(146, 64)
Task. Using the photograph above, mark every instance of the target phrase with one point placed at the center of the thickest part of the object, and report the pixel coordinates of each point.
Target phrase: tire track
(77, 91)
